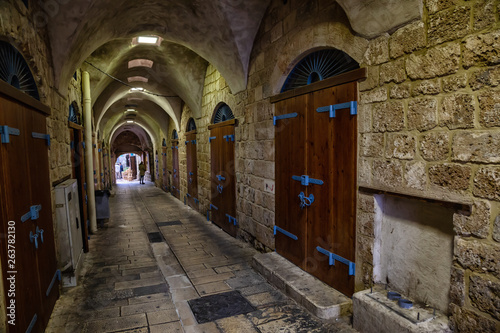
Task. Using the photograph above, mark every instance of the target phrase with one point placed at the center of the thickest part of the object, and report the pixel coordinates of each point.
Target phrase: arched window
(15, 71)
(223, 113)
(191, 126)
(175, 136)
(164, 143)
(318, 66)
(74, 115)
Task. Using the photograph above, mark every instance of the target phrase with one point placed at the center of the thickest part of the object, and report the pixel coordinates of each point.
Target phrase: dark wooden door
(133, 166)
(192, 169)
(176, 191)
(164, 168)
(223, 194)
(327, 155)
(24, 178)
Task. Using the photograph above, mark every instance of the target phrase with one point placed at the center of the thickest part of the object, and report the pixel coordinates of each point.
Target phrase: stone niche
(413, 248)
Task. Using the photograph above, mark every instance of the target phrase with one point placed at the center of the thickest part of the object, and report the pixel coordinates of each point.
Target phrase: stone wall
(429, 127)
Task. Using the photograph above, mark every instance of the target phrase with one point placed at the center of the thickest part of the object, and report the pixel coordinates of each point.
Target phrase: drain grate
(213, 307)
(155, 237)
(166, 224)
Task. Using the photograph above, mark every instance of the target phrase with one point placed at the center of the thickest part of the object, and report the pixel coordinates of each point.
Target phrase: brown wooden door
(133, 166)
(223, 187)
(24, 179)
(192, 169)
(176, 191)
(164, 164)
(328, 154)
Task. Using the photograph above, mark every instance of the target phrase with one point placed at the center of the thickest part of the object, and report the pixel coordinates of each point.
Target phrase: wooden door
(176, 191)
(78, 172)
(133, 166)
(323, 148)
(164, 164)
(223, 194)
(24, 175)
(192, 169)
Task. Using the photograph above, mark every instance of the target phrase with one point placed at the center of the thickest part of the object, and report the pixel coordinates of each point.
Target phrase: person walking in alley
(142, 171)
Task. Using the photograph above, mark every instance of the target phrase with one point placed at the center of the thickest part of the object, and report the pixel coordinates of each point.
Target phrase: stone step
(320, 299)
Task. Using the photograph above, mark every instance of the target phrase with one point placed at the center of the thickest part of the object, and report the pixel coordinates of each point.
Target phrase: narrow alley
(153, 256)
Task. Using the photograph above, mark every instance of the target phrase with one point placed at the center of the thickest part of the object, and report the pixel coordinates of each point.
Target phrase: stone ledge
(320, 299)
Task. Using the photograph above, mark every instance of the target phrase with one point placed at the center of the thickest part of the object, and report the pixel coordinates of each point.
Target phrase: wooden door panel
(290, 136)
(164, 164)
(16, 201)
(331, 223)
(175, 171)
(40, 194)
(192, 170)
(215, 169)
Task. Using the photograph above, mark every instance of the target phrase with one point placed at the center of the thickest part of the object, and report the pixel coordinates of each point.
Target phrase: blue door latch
(305, 201)
(352, 106)
(284, 232)
(5, 131)
(305, 180)
(332, 257)
(32, 214)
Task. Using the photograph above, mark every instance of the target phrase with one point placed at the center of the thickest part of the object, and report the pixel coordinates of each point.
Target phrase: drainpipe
(89, 156)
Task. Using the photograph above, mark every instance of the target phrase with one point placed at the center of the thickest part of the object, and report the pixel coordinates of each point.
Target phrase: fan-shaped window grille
(223, 113)
(175, 136)
(15, 71)
(191, 125)
(73, 113)
(318, 66)
(164, 143)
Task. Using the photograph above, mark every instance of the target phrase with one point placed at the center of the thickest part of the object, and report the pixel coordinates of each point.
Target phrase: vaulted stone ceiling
(194, 33)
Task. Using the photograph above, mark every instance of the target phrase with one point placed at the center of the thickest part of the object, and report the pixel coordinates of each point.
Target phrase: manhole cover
(213, 307)
(155, 237)
(165, 224)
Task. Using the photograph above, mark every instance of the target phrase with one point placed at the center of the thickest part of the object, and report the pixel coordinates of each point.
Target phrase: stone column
(89, 156)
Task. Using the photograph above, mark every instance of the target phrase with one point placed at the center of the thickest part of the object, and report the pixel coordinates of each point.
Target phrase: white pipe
(89, 156)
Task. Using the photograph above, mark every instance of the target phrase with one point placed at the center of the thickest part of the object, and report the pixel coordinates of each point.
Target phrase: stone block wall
(429, 127)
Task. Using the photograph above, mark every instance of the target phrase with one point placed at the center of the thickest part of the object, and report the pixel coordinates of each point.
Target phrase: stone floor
(130, 284)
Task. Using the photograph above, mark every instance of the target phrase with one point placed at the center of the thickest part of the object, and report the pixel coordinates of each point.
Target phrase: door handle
(220, 188)
(34, 238)
(40, 233)
(305, 201)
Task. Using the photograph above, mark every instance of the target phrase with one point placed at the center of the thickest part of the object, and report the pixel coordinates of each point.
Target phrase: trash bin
(102, 204)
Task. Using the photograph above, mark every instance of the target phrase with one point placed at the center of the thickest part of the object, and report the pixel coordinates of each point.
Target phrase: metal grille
(191, 125)
(175, 136)
(15, 71)
(318, 66)
(223, 113)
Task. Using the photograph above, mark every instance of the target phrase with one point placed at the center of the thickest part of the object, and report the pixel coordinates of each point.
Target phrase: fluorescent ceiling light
(147, 39)
(131, 110)
(130, 121)
(137, 89)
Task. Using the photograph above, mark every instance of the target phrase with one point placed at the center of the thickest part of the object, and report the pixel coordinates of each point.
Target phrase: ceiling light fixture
(131, 110)
(136, 89)
(130, 121)
(147, 39)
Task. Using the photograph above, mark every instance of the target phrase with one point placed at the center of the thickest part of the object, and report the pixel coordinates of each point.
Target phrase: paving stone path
(153, 257)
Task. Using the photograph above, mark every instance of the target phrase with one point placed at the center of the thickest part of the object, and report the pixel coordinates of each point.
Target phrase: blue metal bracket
(83, 145)
(193, 142)
(5, 131)
(99, 150)
(191, 173)
(220, 188)
(188, 195)
(229, 137)
(34, 238)
(212, 206)
(32, 214)
(284, 116)
(211, 138)
(186, 142)
(41, 136)
(284, 232)
(85, 186)
(232, 219)
(175, 147)
(32, 324)
(305, 180)
(332, 257)
(353, 106)
(196, 201)
(72, 144)
(57, 275)
(305, 201)
(220, 178)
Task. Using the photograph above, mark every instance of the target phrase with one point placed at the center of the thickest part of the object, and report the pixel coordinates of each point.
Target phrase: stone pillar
(89, 156)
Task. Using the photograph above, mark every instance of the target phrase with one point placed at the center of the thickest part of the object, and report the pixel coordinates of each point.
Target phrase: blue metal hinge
(72, 144)
(32, 324)
(41, 136)
(211, 138)
(212, 206)
(85, 186)
(86, 199)
(5, 131)
(188, 195)
(186, 142)
(220, 178)
(232, 219)
(353, 106)
(196, 201)
(332, 257)
(32, 214)
(193, 142)
(229, 137)
(305, 180)
(191, 173)
(284, 116)
(83, 145)
(284, 232)
(57, 275)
